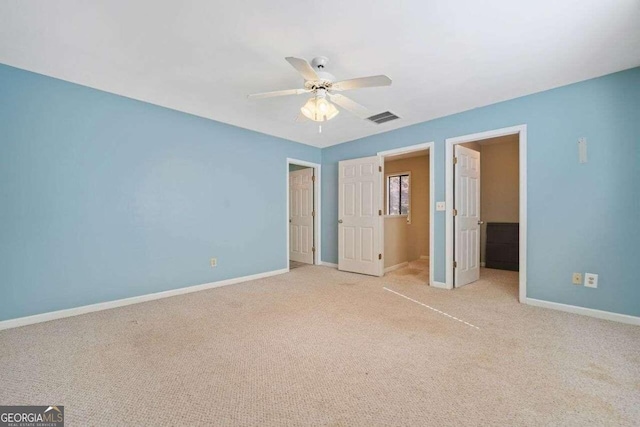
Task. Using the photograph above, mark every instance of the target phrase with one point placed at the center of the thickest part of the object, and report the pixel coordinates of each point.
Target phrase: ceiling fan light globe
(309, 109)
(319, 110)
(323, 106)
(305, 111)
(333, 111)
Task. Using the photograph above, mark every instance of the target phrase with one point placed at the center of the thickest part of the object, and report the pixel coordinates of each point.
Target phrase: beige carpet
(321, 347)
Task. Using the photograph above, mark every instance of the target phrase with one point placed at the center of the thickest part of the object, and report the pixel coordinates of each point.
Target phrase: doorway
(486, 223)
(361, 207)
(408, 230)
(303, 213)
(406, 196)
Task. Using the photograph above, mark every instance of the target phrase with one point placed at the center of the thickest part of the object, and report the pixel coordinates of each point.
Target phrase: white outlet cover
(591, 280)
(441, 206)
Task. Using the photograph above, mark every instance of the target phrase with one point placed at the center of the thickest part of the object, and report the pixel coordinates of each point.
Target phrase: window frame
(386, 204)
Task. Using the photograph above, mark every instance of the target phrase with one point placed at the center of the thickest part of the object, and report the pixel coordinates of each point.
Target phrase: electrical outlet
(440, 206)
(590, 280)
(577, 278)
(214, 262)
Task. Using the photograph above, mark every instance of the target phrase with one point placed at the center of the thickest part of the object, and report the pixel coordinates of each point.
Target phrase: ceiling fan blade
(278, 93)
(303, 68)
(350, 105)
(371, 81)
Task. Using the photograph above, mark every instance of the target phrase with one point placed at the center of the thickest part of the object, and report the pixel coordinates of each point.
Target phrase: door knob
(339, 221)
(480, 222)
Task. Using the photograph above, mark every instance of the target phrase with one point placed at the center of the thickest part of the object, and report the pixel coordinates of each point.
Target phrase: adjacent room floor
(323, 347)
(296, 264)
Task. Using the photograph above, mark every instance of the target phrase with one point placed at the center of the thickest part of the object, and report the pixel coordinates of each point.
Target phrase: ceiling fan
(323, 85)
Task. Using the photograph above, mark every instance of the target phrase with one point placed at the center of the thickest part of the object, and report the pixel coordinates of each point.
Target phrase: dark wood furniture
(503, 246)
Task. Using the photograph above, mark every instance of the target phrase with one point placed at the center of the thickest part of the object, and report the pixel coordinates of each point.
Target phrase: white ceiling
(204, 57)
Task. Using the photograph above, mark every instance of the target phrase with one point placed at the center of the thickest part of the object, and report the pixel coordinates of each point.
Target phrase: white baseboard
(328, 264)
(424, 257)
(440, 285)
(607, 315)
(53, 315)
(396, 267)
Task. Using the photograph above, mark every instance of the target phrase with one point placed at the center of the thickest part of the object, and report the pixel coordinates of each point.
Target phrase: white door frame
(521, 131)
(408, 149)
(316, 208)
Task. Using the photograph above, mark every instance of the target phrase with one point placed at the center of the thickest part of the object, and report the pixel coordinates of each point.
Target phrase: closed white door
(301, 215)
(360, 216)
(467, 216)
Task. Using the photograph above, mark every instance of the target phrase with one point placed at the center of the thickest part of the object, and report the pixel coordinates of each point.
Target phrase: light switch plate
(214, 262)
(590, 280)
(441, 206)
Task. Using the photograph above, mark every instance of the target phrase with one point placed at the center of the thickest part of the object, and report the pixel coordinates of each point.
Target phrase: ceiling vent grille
(387, 116)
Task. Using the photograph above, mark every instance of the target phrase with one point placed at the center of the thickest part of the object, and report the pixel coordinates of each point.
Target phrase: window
(398, 194)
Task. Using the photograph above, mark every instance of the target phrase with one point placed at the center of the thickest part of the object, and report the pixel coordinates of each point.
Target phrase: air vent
(387, 116)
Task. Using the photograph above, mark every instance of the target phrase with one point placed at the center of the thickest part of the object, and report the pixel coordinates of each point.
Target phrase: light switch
(441, 206)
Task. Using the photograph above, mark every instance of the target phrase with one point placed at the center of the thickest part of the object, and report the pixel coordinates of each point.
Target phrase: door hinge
(455, 160)
(455, 212)
(379, 168)
(313, 249)
(380, 212)
(313, 178)
(379, 256)
(455, 264)
(313, 213)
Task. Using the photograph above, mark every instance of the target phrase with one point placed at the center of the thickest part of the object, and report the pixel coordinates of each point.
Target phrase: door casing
(301, 215)
(521, 131)
(432, 185)
(317, 221)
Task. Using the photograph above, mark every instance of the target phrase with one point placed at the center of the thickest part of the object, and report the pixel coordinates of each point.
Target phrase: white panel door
(301, 215)
(360, 216)
(467, 220)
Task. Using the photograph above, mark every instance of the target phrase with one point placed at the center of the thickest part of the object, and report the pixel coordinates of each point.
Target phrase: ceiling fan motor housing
(318, 63)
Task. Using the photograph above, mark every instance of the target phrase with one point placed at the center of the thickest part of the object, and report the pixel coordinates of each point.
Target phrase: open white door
(301, 215)
(467, 216)
(360, 216)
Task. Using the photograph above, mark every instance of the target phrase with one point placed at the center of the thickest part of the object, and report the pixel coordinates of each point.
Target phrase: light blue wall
(103, 197)
(581, 217)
